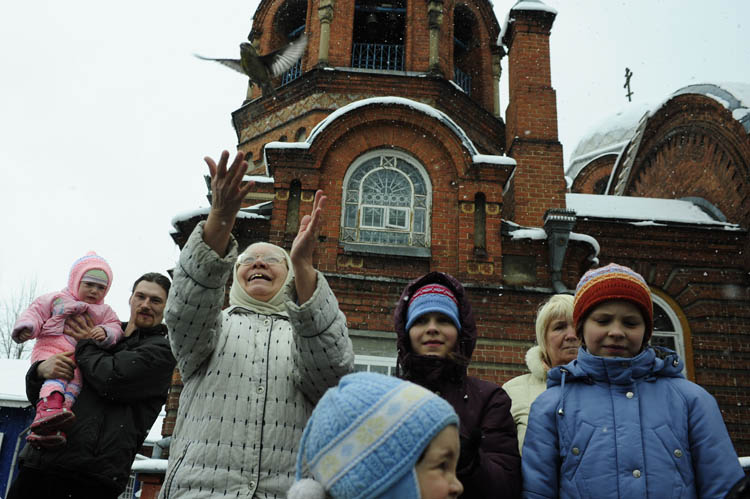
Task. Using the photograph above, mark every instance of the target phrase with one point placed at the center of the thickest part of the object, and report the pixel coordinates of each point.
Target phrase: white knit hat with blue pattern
(365, 436)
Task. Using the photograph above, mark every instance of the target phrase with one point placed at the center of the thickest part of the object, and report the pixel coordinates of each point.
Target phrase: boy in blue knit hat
(375, 436)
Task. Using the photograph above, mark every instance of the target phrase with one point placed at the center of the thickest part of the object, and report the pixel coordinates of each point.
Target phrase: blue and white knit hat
(365, 437)
(432, 298)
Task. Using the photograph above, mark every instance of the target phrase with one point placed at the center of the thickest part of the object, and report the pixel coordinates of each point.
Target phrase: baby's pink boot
(51, 441)
(52, 415)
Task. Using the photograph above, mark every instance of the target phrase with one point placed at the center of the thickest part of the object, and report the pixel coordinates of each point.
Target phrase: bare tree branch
(10, 309)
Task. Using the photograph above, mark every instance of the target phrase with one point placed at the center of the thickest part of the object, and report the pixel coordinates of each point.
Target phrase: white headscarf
(239, 297)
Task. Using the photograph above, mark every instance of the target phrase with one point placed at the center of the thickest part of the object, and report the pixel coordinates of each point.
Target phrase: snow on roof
(529, 233)
(732, 95)
(13, 382)
(187, 215)
(607, 136)
(149, 465)
(398, 101)
(154, 434)
(493, 159)
(287, 145)
(533, 5)
(523, 5)
(391, 101)
(576, 236)
(640, 209)
(259, 179)
(611, 134)
(537, 233)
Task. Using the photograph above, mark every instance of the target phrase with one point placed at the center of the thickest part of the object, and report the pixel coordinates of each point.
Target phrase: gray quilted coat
(251, 380)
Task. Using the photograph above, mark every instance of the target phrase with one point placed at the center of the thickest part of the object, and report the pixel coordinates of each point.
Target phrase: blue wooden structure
(16, 415)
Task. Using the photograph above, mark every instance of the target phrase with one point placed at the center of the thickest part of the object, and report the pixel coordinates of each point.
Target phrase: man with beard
(123, 391)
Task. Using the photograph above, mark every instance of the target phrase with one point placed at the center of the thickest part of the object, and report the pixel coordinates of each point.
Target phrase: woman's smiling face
(262, 271)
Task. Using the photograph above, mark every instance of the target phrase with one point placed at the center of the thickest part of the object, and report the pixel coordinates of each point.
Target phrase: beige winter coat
(524, 389)
(251, 380)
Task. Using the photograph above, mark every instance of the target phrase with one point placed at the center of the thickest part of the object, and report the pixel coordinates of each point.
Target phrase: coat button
(576, 451)
(637, 473)
(677, 453)
(675, 363)
(261, 389)
(252, 485)
(266, 322)
(629, 395)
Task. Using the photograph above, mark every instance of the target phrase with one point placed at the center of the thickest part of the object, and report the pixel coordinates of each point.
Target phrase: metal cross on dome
(628, 74)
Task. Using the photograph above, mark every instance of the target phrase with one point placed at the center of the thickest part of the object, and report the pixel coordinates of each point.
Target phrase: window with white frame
(667, 328)
(386, 201)
(373, 364)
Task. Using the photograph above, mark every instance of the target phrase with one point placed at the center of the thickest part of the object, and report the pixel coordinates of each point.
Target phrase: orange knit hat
(613, 282)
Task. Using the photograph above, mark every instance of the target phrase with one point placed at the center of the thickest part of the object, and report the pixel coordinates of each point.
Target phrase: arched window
(465, 49)
(289, 25)
(386, 202)
(378, 37)
(480, 225)
(292, 207)
(667, 328)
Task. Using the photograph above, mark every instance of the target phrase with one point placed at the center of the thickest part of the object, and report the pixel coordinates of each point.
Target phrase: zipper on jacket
(168, 481)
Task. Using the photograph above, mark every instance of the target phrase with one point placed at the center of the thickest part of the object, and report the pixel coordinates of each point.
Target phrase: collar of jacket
(159, 329)
(653, 362)
(434, 373)
(535, 363)
(239, 309)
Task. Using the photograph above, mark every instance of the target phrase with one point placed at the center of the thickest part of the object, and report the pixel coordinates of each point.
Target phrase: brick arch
(485, 15)
(265, 23)
(427, 138)
(593, 175)
(266, 34)
(692, 146)
(479, 61)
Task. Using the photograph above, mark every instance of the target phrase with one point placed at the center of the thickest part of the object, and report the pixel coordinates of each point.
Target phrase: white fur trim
(307, 488)
(535, 363)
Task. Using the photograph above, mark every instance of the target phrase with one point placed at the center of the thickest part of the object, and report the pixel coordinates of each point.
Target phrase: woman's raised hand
(227, 194)
(303, 248)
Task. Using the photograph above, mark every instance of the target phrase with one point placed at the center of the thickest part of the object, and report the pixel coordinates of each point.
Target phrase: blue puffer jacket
(626, 428)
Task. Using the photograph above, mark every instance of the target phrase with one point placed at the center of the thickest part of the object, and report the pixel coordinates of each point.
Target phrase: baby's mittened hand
(25, 334)
(98, 333)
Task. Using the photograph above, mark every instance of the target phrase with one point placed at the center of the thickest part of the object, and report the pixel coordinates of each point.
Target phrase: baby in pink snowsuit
(88, 283)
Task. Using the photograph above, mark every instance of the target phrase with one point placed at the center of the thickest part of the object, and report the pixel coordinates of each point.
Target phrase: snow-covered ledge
(149, 465)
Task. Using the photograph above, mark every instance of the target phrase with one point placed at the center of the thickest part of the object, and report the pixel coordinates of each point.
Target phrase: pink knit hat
(90, 261)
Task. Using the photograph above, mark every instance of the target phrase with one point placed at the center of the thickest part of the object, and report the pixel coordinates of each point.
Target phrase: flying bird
(261, 68)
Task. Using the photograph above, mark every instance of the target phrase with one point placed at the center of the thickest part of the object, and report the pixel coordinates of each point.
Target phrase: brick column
(531, 117)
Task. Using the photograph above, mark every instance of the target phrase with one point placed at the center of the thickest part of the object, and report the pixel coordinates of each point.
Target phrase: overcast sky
(105, 115)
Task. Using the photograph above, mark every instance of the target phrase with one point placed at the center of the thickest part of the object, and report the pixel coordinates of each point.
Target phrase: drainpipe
(161, 447)
(558, 223)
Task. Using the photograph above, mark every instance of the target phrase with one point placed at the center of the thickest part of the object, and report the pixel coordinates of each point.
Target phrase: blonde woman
(557, 344)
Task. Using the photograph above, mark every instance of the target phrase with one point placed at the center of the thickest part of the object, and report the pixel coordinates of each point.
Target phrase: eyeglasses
(267, 259)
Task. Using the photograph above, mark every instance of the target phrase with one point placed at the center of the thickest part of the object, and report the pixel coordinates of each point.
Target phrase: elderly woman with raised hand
(557, 344)
(253, 372)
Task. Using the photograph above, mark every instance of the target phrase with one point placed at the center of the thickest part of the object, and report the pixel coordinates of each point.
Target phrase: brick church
(394, 112)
